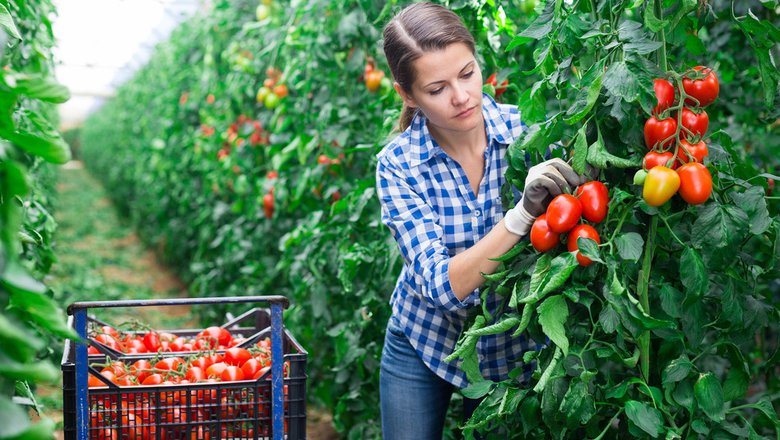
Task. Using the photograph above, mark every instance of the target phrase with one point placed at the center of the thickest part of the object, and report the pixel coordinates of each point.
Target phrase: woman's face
(448, 89)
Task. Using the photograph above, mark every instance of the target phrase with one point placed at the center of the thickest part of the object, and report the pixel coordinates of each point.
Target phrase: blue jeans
(414, 400)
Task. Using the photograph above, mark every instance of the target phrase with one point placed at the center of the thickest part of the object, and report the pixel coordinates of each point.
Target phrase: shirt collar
(423, 147)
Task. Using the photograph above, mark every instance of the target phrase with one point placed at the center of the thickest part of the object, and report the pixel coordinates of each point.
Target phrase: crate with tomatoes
(212, 383)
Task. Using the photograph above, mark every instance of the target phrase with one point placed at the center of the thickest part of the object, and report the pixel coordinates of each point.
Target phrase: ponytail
(407, 114)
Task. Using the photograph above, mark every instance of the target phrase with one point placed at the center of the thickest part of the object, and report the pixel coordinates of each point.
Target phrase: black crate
(203, 411)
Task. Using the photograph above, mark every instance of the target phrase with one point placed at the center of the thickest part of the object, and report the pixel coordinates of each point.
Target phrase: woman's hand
(544, 181)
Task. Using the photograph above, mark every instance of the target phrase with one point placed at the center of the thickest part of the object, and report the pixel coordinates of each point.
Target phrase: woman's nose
(459, 95)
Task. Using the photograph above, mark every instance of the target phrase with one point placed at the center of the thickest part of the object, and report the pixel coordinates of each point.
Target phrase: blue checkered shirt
(431, 210)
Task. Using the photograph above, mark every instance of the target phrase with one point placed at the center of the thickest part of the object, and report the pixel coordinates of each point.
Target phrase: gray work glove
(544, 181)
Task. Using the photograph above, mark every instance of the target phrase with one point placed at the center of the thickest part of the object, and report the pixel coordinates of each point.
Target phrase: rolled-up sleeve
(417, 230)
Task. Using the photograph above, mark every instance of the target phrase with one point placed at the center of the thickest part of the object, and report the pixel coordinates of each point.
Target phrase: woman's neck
(461, 143)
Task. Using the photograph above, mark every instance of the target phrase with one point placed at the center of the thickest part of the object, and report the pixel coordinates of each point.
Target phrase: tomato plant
(702, 86)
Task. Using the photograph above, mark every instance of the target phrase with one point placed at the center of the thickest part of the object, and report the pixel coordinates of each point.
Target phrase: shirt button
(477, 213)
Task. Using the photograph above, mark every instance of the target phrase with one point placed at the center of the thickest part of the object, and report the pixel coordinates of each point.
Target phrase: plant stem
(662, 36)
(642, 290)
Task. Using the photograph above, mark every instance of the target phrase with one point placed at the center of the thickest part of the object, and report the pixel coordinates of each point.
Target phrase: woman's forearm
(466, 268)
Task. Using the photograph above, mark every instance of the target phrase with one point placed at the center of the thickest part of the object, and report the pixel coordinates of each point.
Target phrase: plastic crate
(264, 408)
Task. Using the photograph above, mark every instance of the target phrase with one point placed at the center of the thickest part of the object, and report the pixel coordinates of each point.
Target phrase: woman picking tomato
(439, 185)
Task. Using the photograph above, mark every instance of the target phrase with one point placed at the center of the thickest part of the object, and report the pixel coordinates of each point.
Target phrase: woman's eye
(436, 91)
(468, 75)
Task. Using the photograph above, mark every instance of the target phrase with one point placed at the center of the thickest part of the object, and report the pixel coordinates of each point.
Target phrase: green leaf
(550, 275)
(754, 204)
(578, 404)
(692, 272)
(609, 319)
(683, 394)
(709, 396)
(677, 370)
(630, 246)
(16, 277)
(589, 248)
(579, 160)
(35, 135)
(586, 98)
(13, 419)
(41, 87)
(767, 409)
(652, 22)
(599, 157)
(621, 81)
(7, 24)
(647, 418)
(719, 226)
(17, 342)
(35, 372)
(736, 384)
(553, 313)
(43, 311)
(478, 389)
(542, 25)
(671, 299)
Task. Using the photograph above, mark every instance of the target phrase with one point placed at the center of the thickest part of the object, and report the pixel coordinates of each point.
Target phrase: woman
(439, 185)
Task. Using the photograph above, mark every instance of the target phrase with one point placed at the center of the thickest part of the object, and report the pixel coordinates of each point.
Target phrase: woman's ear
(407, 98)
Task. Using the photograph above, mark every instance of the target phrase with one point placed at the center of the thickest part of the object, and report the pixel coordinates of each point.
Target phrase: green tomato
(262, 93)
(262, 12)
(271, 101)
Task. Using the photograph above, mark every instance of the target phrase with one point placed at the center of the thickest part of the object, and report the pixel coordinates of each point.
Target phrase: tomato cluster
(212, 338)
(564, 214)
(237, 363)
(272, 92)
(674, 136)
(143, 413)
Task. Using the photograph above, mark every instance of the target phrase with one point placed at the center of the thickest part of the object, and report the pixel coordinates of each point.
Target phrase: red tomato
(660, 130)
(201, 362)
(563, 213)
(251, 367)
(585, 231)
(171, 363)
(195, 374)
(373, 79)
(704, 90)
(664, 93)
(698, 150)
(215, 370)
(232, 373)
(268, 205)
(695, 183)
(660, 185)
(272, 175)
(217, 334)
(697, 123)
(109, 341)
(494, 82)
(280, 90)
(141, 369)
(178, 344)
(594, 198)
(237, 356)
(653, 159)
(111, 331)
(153, 379)
(135, 346)
(152, 341)
(542, 238)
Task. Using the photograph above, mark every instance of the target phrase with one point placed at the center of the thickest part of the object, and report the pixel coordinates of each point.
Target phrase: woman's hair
(417, 29)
